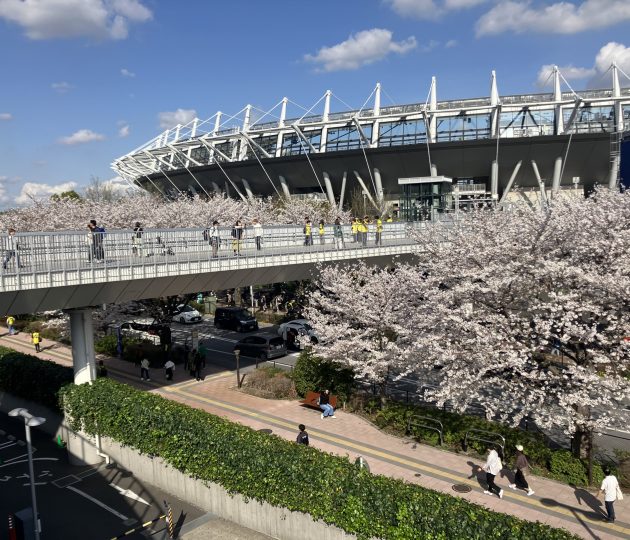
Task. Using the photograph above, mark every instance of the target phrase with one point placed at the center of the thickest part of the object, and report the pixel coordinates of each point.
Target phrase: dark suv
(235, 318)
(262, 346)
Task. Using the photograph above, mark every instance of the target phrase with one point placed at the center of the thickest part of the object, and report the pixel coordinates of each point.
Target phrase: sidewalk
(556, 504)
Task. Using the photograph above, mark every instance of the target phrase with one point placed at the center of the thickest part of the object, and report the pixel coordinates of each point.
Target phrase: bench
(312, 397)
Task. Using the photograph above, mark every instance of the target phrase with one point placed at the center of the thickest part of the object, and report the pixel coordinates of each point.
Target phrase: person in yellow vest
(379, 230)
(322, 232)
(35, 337)
(389, 219)
(308, 232)
(354, 226)
(365, 229)
(11, 324)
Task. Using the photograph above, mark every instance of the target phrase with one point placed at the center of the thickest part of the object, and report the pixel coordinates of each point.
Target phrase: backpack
(206, 235)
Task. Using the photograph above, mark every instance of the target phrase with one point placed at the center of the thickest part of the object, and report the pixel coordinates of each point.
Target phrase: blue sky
(85, 81)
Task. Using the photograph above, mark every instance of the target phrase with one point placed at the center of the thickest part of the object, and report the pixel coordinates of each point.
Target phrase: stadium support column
(376, 112)
(510, 182)
(285, 187)
(433, 111)
(494, 103)
(616, 93)
(379, 186)
(246, 121)
(248, 190)
(325, 116)
(216, 188)
(555, 181)
(433, 169)
(343, 190)
(329, 189)
(557, 97)
(494, 180)
(82, 336)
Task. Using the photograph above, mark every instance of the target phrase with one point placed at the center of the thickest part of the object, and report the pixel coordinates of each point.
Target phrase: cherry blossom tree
(525, 312)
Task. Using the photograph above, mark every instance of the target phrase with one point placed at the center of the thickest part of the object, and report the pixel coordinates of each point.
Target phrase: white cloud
(82, 136)
(613, 51)
(61, 87)
(429, 9)
(33, 191)
(169, 119)
(123, 131)
(570, 73)
(100, 19)
(119, 185)
(360, 49)
(450, 44)
(559, 18)
(126, 73)
(3, 190)
(5, 116)
(429, 46)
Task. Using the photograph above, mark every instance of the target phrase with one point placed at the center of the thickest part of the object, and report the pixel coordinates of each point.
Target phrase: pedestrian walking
(302, 437)
(521, 470)
(338, 234)
(11, 324)
(365, 227)
(322, 232)
(237, 237)
(324, 404)
(308, 232)
(136, 240)
(98, 238)
(11, 249)
(169, 368)
(211, 235)
(379, 230)
(258, 233)
(354, 226)
(612, 492)
(36, 339)
(144, 370)
(492, 467)
(196, 364)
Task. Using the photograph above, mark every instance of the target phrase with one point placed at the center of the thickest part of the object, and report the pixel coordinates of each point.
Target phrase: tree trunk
(576, 443)
(591, 451)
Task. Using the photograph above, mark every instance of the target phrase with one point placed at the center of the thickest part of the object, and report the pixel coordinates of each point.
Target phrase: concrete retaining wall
(262, 517)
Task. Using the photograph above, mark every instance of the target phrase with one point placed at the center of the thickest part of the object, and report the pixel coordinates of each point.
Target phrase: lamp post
(29, 422)
(237, 354)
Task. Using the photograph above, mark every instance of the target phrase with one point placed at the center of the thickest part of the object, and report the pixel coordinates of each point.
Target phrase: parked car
(235, 318)
(263, 346)
(186, 314)
(301, 327)
(145, 329)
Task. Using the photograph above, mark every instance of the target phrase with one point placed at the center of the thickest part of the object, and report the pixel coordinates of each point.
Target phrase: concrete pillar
(494, 103)
(365, 189)
(494, 180)
(248, 190)
(556, 179)
(285, 187)
(616, 93)
(281, 124)
(557, 97)
(82, 336)
(216, 188)
(324, 136)
(343, 190)
(511, 181)
(433, 169)
(379, 185)
(376, 111)
(613, 176)
(329, 189)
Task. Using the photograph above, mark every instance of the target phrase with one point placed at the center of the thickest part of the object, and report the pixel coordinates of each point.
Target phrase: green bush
(107, 345)
(29, 377)
(268, 468)
(313, 373)
(565, 467)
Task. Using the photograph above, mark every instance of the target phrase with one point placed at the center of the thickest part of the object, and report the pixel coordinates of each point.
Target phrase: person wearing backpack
(302, 437)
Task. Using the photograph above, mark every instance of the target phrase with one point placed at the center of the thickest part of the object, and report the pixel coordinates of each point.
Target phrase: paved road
(79, 502)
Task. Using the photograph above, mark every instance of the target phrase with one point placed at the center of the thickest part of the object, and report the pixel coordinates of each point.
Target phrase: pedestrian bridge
(66, 270)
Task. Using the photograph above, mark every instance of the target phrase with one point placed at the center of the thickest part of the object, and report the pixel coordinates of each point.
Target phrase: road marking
(408, 463)
(36, 484)
(99, 503)
(7, 445)
(34, 459)
(130, 494)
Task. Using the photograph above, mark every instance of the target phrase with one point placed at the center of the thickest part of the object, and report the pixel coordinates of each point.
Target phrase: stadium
(421, 158)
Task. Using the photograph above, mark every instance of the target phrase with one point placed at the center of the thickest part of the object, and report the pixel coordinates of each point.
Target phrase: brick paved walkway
(559, 505)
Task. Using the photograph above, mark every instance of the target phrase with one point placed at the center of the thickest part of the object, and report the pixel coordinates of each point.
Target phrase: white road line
(99, 503)
(7, 445)
(25, 460)
(130, 494)
(36, 484)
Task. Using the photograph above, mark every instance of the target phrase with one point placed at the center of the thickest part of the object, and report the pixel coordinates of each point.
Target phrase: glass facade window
(626, 117)
(399, 133)
(269, 143)
(463, 127)
(347, 137)
(200, 155)
(421, 202)
(527, 123)
(592, 119)
(226, 148)
(293, 145)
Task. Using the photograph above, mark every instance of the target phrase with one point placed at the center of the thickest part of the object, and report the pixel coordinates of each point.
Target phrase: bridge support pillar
(82, 335)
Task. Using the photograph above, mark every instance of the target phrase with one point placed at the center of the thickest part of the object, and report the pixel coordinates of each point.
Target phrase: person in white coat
(492, 467)
(610, 488)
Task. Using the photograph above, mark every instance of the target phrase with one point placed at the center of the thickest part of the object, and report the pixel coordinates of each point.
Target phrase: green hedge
(313, 373)
(26, 376)
(268, 468)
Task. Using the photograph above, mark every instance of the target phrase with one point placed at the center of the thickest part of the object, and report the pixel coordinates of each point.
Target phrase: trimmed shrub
(29, 377)
(313, 373)
(268, 468)
(270, 382)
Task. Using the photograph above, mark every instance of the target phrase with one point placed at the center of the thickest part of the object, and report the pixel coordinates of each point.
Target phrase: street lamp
(237, 354)
(29, 422)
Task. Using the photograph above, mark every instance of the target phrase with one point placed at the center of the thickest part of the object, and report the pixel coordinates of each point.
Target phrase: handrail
(413, 423)
(467, 437)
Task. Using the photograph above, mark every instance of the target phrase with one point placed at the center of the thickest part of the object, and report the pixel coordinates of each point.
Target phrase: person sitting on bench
(324, 404)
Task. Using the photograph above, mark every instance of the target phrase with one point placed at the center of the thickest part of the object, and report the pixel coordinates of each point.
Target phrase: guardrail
(492, 441)
(415, 421)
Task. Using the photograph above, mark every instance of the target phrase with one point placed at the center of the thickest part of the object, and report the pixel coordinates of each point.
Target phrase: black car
(235, 318)
(263, 346)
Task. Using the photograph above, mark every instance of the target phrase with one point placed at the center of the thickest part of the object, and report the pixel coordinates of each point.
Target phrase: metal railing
(482, 435)
(32, 258)
(426, 422)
